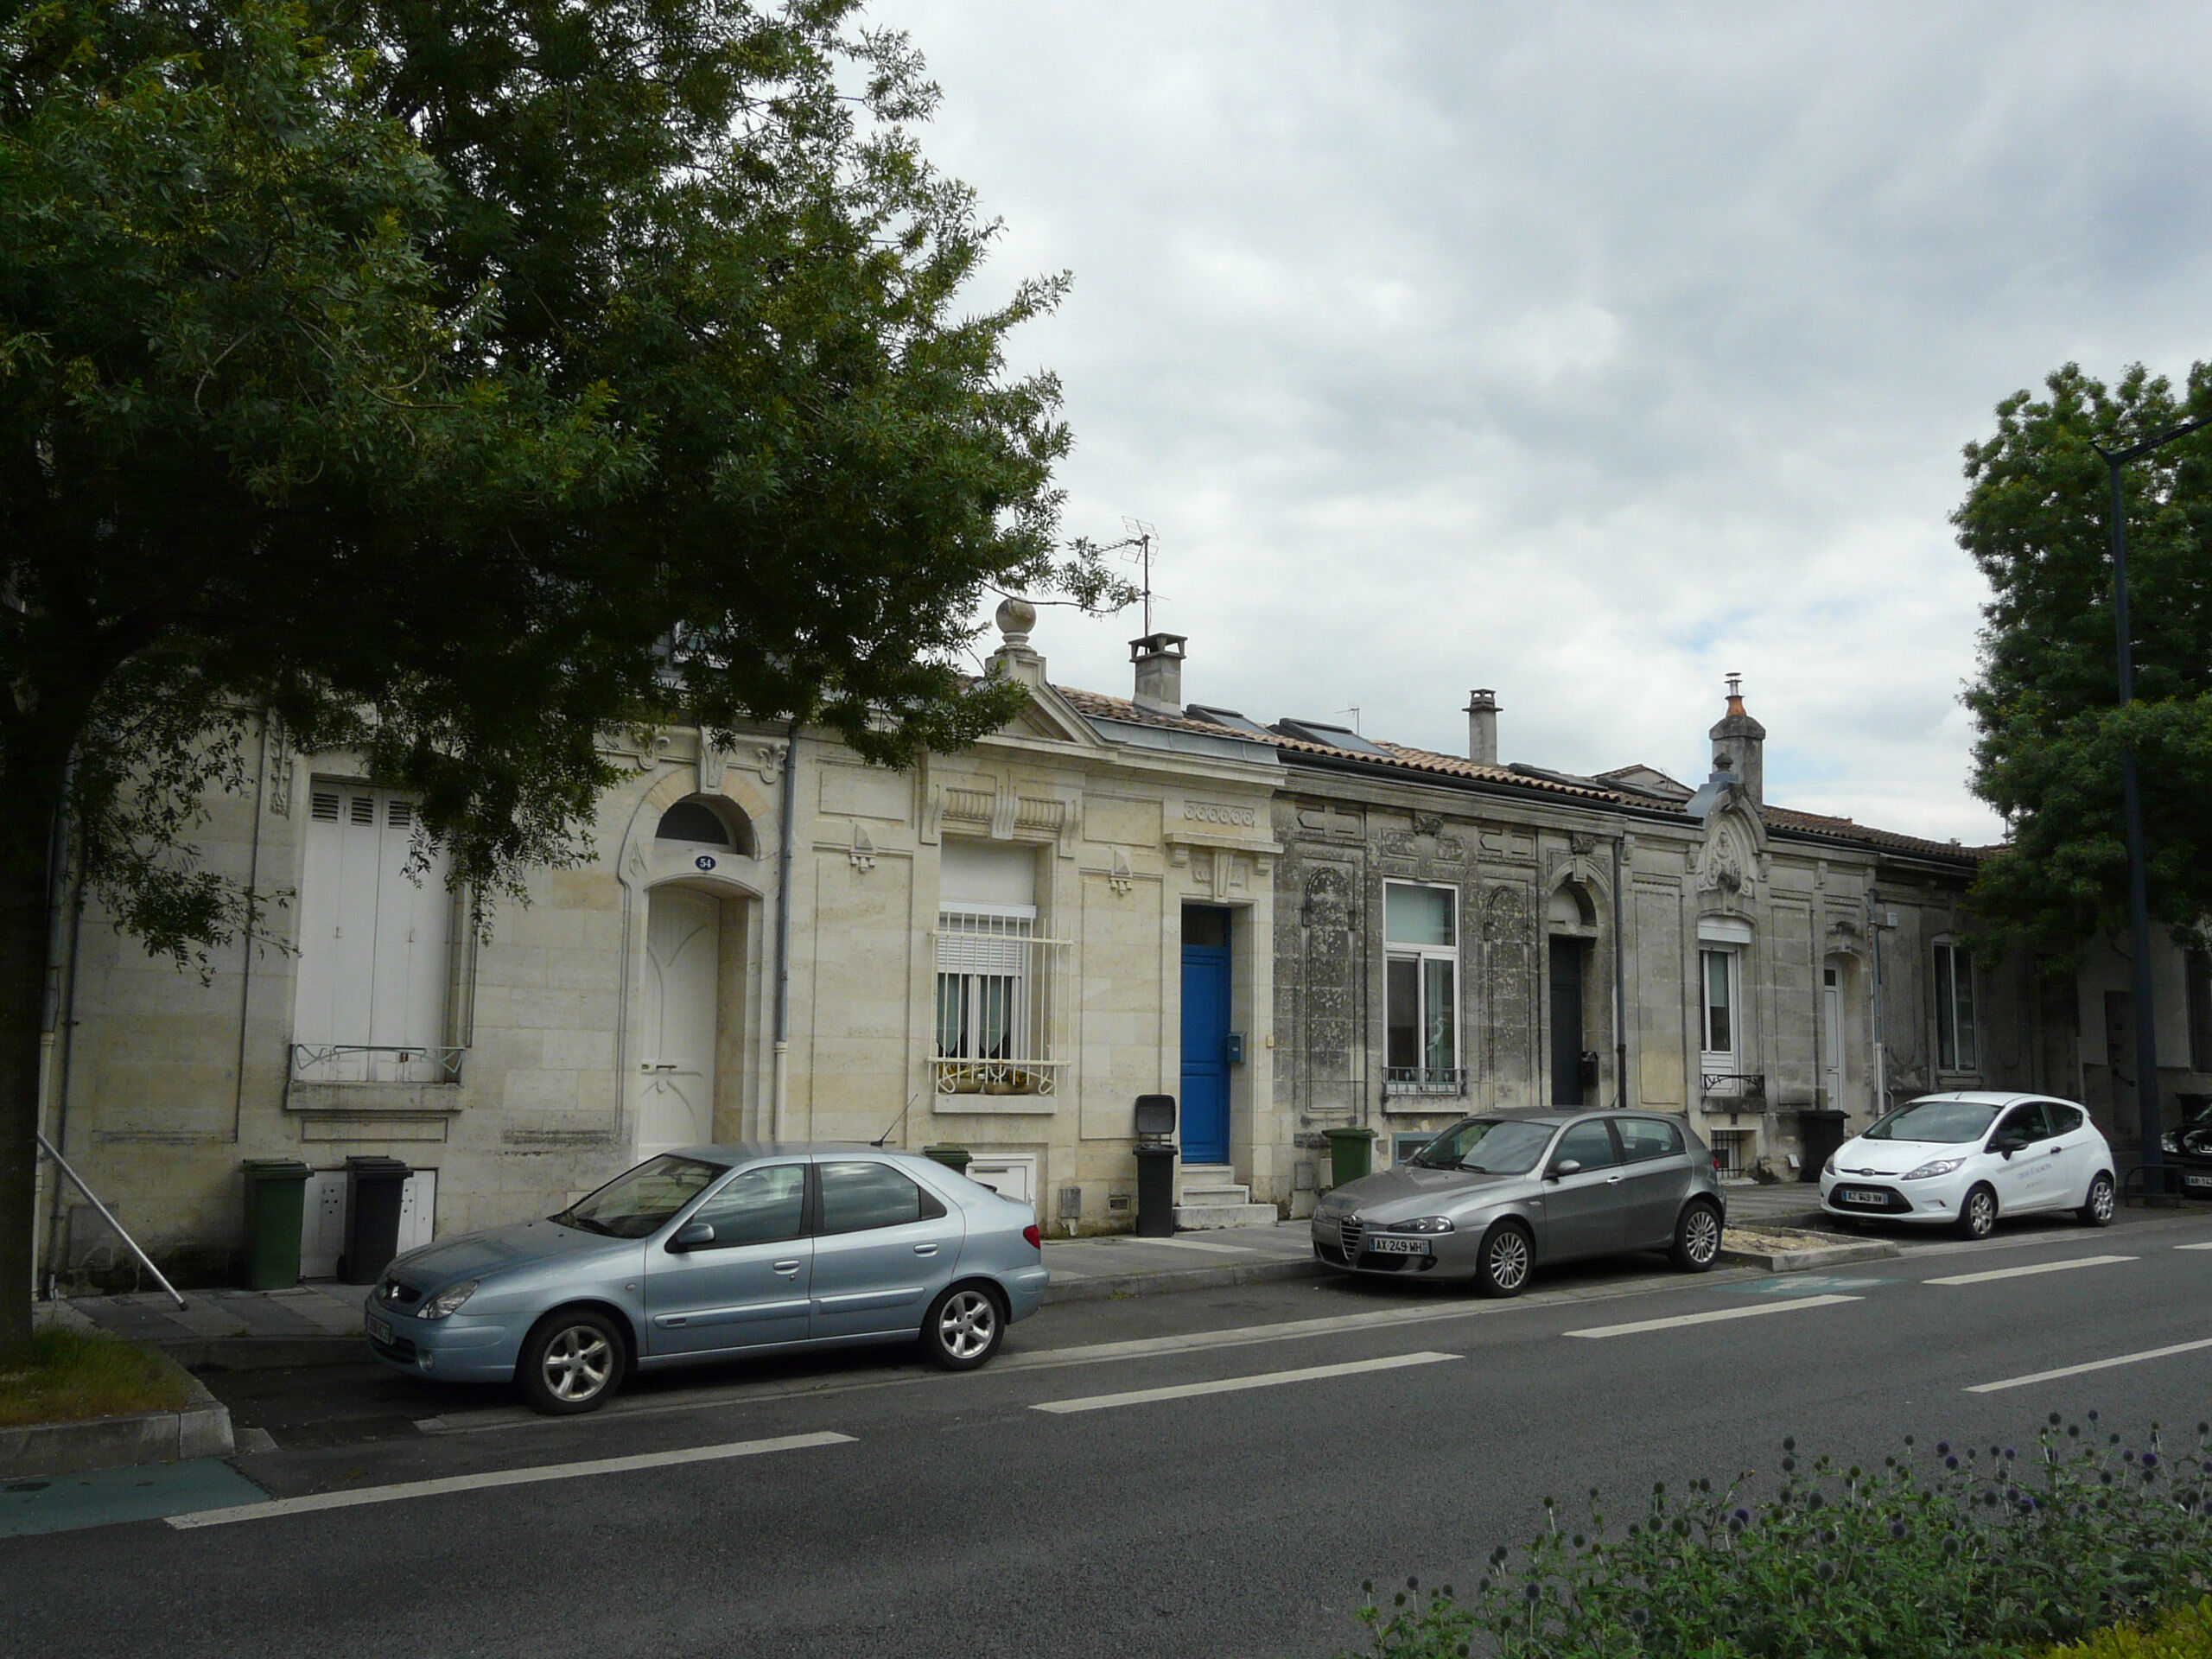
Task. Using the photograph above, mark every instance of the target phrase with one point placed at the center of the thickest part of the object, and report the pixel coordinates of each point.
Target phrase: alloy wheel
(578, 1362)
(1701, 1235)
(968, 1325)
(2100, 1200)
(1509, 1258)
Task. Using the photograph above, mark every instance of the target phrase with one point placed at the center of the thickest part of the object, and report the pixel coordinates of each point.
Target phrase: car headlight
(1928, 1171)
(447, 1301)
(1425, 1224)
(1829, 1168)
(2171, 1142)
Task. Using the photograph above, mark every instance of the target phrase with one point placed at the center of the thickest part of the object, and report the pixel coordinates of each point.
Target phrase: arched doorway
(682, 1002)
(1571, 922)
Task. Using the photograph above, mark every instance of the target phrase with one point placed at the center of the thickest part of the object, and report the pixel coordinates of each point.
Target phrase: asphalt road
(1211, 1474)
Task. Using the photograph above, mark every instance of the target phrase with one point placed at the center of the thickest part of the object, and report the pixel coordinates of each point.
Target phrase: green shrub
(2185, 1633)
(61, 1375)
(1975, 1551)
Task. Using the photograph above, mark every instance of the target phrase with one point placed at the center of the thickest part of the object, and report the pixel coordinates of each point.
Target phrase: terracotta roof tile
(1428, 762)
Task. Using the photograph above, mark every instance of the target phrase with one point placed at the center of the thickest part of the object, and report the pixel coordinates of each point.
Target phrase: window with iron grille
(997, 987)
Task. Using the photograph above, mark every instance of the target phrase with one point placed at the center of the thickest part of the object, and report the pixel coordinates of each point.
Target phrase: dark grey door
(1656, 1179)
(1585, 1213)
(1567, 1021)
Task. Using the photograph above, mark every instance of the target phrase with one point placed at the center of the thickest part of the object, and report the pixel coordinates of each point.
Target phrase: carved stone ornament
(767, 759)
(1119, 876)
(863, 852)
(1327, 899)
(712, 762)
(650, 743)
(1582, 844)
(282, 764)
(1725, 866)
(1505, 917)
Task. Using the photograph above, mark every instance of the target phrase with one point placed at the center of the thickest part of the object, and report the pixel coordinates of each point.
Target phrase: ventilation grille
(364, 808)
(399, 814)
(324, 807)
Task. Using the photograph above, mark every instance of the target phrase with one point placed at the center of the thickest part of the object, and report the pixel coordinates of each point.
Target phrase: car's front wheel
(1978, 1214)
(1697, 1238)
(1502, 1267)
(2097, 1209)
(572, 1361)
(965, 1326)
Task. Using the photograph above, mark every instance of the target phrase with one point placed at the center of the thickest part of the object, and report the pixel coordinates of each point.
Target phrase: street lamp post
(2138, 905)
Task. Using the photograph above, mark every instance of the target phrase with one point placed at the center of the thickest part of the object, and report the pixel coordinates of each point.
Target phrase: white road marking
(347, 1500)
(1755, 1311)
(1231, 1385)
(2094, 1366)
(2023, 1273)
(1200, 1244)
(2193, 1247)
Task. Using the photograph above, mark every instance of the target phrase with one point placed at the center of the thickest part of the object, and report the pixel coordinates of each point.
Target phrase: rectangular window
(370, 991)
(996, 978)
(1954, 1031)
(1420, 982)
(1720, 978)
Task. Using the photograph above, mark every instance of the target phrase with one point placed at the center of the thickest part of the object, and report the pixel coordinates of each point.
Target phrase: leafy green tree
(413, 374)
(2037, 520)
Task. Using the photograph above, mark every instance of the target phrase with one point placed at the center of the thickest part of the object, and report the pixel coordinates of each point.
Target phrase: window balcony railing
(1424, 1080)
(953, 1076)
(375, 1063)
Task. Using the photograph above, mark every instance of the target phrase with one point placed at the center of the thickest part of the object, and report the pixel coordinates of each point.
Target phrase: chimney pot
(1482, 726)
(1158, 660)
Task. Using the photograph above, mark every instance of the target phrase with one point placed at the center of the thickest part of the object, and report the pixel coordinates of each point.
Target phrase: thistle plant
(1966, 1550)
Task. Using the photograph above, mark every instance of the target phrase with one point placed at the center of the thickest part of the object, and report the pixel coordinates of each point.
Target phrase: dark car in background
(2189, 1146)
(1497, 1195)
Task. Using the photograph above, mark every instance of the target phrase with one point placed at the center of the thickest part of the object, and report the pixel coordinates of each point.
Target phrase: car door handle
(786, 1268)
(1612, 1180)
(924, 1250)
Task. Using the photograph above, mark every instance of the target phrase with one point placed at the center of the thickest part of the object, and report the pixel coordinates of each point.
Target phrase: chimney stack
(1159, 657)
(1740, 744)
(1482, 726)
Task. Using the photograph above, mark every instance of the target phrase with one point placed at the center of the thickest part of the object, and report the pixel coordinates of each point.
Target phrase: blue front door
(1206, 1035)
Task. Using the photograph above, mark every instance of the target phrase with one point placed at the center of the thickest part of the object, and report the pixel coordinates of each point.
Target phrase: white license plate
(377, 1328)
(2196, 1180)
(1398, 1246)
(1860, 1195)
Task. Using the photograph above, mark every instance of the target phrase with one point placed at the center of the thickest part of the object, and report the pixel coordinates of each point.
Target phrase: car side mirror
(1566, 1167)
(692, 1234)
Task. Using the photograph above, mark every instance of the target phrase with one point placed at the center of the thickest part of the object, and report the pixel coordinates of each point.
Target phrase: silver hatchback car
(1494, 1197)
(711, 1252)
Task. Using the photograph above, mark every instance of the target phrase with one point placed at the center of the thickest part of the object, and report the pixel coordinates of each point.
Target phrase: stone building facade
(1290, 927)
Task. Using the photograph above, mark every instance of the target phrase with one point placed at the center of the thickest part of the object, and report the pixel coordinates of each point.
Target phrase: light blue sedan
(709, 1252)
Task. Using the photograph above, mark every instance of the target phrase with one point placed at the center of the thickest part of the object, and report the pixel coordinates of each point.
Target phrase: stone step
(1214, 1194)
(1203, 1217)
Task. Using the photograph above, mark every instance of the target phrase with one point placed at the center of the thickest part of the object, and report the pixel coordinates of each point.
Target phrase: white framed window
(998, 977)
(376, 934)
(1421, 981)
(1956, 1049)
(1722, 1051)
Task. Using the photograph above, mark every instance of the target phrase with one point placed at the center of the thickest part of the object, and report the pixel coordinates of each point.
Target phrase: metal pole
(108, 1216)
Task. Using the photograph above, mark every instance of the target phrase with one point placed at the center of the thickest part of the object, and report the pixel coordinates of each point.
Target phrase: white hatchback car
(1963, 1160)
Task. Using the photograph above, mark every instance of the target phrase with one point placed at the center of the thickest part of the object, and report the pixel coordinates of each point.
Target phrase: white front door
(676, 1102)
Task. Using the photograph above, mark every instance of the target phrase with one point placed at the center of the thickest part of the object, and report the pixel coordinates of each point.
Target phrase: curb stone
(1871, 1249)
(200, 1429)
(1106, 1286)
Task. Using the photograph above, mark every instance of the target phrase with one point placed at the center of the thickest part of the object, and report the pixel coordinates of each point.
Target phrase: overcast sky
(1586, 353)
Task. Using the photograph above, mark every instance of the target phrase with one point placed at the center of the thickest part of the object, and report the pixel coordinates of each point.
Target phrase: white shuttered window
(374, 938)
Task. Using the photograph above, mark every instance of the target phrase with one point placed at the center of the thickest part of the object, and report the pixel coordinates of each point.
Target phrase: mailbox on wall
(1236, 1048)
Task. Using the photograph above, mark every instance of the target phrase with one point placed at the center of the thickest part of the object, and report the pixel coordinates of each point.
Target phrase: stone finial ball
(1016, 617)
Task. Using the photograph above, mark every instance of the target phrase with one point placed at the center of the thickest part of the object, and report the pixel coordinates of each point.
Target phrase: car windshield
(632, 1204)
(1947, 1121)
(1487, 1146)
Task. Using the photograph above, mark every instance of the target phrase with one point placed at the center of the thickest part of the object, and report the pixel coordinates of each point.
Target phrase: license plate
(1398, 1246)
(2196, 1180)
(377, 1328)
(1860, 1195)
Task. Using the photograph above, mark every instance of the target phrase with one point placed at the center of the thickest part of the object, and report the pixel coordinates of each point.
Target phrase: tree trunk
(28, 805)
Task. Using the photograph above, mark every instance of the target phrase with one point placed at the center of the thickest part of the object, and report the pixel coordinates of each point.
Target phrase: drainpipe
(245, 952)
(1620, 982)
(784, 837)
(1881, 1051)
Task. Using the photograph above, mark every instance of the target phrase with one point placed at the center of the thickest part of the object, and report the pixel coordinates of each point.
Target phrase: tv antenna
(1139, 542)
